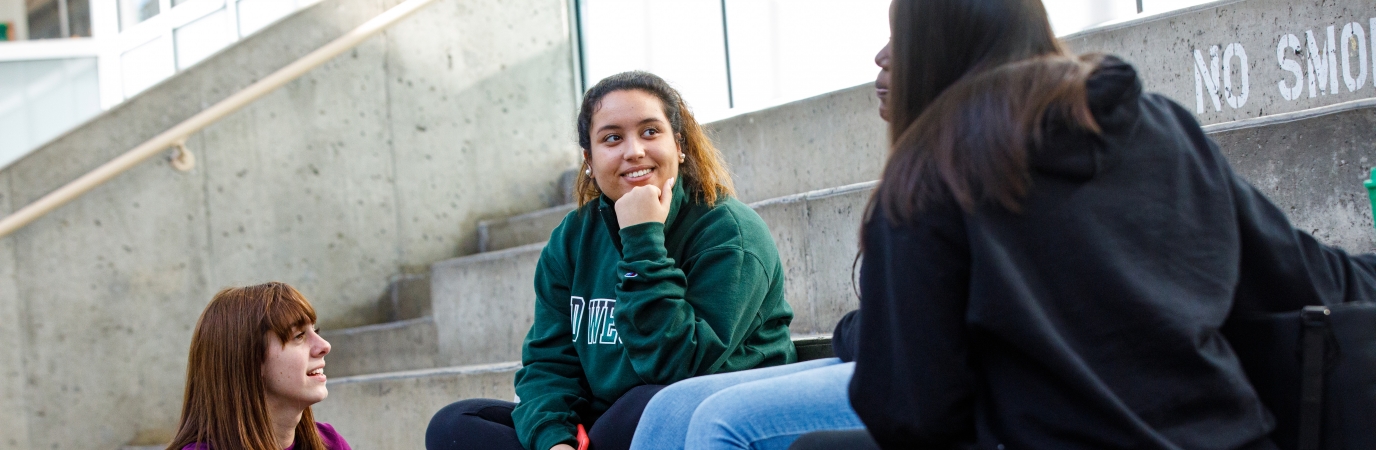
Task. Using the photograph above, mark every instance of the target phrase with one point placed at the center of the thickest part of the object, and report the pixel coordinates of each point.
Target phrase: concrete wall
(830, 140)
(375, 164)
(1256, 80)
(14, 428)
(1313, 170)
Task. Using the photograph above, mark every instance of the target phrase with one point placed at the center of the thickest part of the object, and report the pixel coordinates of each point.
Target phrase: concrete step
(389, 347)
(391, 410)
(524, 229)
(483, 305)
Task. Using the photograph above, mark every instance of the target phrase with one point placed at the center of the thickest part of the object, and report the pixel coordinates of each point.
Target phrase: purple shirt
(332, 439)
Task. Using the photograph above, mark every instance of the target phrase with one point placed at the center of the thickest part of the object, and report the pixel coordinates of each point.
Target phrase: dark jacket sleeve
(677, 325)
(913, 386)
(549, 385)
(1284, 268)
(844, 337)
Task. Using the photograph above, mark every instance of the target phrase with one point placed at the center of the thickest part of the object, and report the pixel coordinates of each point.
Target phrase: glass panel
(53, 101)
(80, 13)
(132, 12)
(256, 14)
(44, 20)
(145, 66)
(681, 41)
(1072, 16)
(201, 38)
(40, 100)
(14, 123)
(778, 55)
(1157, 6)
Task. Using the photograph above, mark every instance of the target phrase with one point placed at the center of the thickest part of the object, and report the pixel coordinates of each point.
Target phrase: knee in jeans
(720, 409)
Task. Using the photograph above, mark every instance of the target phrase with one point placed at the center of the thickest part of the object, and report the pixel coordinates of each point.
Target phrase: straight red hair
(225, 405)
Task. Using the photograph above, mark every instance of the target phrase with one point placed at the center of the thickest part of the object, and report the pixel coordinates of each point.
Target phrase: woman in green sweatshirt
(659, 275)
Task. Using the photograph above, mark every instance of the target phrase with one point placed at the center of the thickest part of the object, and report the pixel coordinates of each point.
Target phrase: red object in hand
(582, 438)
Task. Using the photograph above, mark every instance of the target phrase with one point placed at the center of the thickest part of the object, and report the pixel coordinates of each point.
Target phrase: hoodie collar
(607, 209)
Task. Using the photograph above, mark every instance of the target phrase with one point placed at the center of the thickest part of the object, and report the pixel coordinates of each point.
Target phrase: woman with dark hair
(255, 367)
(659, 275)
(1051, 252)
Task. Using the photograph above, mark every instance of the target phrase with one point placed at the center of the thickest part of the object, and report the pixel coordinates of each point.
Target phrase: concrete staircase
(808, 169)
(289, 174)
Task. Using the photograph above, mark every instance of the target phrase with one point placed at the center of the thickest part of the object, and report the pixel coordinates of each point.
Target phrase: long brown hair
(703, 174)
(225, 406)
(974, 82)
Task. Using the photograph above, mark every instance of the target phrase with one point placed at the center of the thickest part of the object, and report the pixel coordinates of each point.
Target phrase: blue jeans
(765, 408)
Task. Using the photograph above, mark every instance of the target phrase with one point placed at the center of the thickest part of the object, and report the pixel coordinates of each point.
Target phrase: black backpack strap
(1312, 349)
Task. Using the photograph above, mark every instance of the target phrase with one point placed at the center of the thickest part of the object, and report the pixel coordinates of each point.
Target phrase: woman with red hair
(255, 367)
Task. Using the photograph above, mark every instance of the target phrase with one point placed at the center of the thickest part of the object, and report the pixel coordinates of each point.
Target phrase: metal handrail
(177, 135)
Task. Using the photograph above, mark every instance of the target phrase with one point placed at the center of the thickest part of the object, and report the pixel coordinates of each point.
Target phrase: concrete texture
(817, 234)
(826, 141)
(14, 423)
(484, 304)
(1313, 169)
(1163, 49)
(390, 347)
(391, 411)
(368, 168)
(523, 229)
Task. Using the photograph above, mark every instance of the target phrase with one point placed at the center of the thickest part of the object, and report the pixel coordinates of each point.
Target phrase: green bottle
(1371, 191)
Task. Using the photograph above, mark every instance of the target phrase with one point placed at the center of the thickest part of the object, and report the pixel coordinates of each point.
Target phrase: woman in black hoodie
(1051, 252)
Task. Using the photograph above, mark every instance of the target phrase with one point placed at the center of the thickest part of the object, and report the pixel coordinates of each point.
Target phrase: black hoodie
(1091, 319)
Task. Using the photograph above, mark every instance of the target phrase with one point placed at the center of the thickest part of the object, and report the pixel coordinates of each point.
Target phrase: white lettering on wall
(1323, 66)
(1353, 32)
(1289, 44)
(1206, 79)
(1215, 78)
(1238, 98)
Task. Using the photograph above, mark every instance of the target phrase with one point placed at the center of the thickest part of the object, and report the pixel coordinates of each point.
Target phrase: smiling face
(881, 83)
(632, 143)
(294, 373)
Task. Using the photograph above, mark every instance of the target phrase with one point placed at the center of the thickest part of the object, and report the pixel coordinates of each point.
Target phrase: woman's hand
(562, 447)
(644, 204)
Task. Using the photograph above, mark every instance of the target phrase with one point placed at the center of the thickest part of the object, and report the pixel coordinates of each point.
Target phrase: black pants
(833, 439)
(486, 424)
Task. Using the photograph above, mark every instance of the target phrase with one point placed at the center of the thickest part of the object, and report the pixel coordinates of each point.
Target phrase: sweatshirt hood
(1112, 89)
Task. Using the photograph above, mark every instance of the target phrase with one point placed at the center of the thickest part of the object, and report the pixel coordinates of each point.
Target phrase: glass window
(41, 99)
(256, 14)
(146, 65)
(681, 41)
(79, 16)
(201, 38)
(784, 50)
(133, 12)
(45, 19)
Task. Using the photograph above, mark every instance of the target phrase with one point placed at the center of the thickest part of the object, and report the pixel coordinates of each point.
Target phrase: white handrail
(178, 134)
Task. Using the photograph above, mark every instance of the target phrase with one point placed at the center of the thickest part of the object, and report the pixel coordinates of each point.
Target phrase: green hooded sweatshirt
(652, 303)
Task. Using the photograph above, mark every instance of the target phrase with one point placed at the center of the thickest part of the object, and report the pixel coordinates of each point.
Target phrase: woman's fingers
(644, 204)
(666, 196)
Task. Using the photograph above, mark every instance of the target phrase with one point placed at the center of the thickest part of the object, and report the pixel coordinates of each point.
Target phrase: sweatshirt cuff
(552, 433)
(643, 242)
